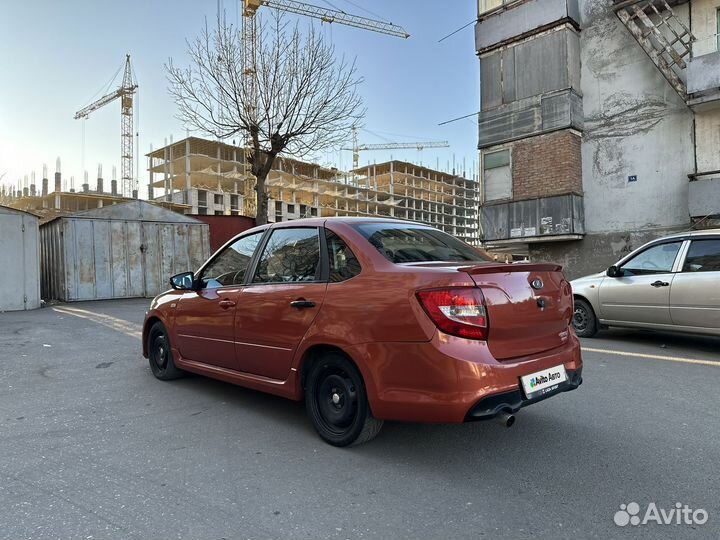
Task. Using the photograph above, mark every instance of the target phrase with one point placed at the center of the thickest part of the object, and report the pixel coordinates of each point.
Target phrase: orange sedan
(367, 320)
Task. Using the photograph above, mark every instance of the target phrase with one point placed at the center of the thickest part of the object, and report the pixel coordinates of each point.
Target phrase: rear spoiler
(500, 268)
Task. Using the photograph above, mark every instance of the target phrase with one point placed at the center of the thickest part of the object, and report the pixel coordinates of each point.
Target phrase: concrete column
(113, 187)
(100, 180)
(188, 173)
(151, 191)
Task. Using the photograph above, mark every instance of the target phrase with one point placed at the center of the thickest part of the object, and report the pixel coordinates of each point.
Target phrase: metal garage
(19, 260)
(120, 251)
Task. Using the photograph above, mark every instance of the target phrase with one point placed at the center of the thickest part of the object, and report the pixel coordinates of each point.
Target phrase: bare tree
(299, 100)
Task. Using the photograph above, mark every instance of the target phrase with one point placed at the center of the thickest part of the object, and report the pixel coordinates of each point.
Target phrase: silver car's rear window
(402, 243)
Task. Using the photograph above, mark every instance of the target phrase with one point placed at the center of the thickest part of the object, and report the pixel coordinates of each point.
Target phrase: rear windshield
(403, 243)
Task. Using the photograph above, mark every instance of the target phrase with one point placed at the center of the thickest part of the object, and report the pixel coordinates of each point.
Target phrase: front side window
(403, 243)
(229, 267)
(291, 255)
(658, 259)
(343, 263)
(703, 256)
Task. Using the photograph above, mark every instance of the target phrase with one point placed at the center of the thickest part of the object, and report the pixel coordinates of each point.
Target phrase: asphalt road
(92, 446)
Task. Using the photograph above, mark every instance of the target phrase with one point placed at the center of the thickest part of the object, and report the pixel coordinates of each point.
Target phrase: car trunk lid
(529, 307)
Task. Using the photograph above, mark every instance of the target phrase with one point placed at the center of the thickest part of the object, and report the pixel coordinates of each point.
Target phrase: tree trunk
(262, 200)
(262, 164)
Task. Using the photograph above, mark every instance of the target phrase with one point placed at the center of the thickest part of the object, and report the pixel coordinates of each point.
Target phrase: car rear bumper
(454, 380)
(489, 407)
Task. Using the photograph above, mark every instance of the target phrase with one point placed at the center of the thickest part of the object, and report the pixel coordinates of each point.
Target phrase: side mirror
(614, 271)
(183, 282)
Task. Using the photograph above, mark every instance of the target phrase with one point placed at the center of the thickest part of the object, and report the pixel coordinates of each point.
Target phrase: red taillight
(459, 312)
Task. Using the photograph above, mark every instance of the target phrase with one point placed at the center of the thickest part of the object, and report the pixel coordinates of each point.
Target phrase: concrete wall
(635, 125)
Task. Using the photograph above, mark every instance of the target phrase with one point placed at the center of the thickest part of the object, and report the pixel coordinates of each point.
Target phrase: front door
(277, 308)
(695, 292)
(642, 293)
(205, 319)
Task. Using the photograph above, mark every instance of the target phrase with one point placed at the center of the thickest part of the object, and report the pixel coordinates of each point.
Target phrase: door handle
(302, 304)
(659, 284)
(226, 304)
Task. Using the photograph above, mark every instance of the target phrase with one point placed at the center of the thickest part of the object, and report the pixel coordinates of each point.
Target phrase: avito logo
(629, 514)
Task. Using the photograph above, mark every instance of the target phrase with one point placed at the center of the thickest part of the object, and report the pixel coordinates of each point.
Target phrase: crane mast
(249, 41)
(126, 94)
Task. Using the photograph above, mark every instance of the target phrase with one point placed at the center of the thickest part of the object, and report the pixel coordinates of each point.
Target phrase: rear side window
(343, 263)
(703, 256)
(403, 243)
(291, 255)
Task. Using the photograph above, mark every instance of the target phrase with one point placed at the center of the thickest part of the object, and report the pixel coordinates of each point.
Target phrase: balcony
(529, 117)
(703, 74)
(502, 21)
(549, 219)
(704, 195)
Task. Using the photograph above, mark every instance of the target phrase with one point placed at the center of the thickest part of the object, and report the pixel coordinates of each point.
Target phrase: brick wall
(547, 165)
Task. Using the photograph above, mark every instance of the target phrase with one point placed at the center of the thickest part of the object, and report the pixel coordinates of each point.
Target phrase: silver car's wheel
(584, 321)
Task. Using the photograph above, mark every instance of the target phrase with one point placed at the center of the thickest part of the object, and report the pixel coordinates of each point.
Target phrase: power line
(458, 30)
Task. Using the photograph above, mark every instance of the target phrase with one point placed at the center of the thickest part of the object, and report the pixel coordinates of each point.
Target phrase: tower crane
(126, 94)
(249, 40)
(420, 146)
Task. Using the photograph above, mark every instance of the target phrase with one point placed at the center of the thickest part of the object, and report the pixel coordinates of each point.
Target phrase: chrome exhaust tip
(505, 418)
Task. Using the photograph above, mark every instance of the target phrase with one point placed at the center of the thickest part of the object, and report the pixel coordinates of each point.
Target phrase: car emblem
(537, 284)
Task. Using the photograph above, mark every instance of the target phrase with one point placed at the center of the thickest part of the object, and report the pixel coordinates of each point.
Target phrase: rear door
(642, 294)
(280, 303)
(695, 291)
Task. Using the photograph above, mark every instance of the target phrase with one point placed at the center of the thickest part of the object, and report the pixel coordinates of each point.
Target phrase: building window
(488, 5)
(313, 212)
(303, 210)
(202, 211)
(234, 202)
(291, 208)
(219, 212)
(218, 200)
(202, 197)
(497, 175)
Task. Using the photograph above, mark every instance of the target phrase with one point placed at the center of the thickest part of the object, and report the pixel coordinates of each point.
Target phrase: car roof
(319, 221)
(692, 234)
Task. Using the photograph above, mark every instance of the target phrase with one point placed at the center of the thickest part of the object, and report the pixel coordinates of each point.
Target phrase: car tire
(584, 320)
(160, 354)
(336, 400)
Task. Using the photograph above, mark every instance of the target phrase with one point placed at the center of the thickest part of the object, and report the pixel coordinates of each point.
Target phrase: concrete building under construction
(50, 200)
(209, 177)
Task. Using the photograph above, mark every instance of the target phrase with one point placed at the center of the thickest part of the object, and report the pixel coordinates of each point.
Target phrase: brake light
(459, 312)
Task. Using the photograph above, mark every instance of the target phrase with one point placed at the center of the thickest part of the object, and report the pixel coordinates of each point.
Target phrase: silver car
(672, 283)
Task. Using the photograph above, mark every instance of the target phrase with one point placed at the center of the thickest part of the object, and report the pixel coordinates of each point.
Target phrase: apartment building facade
(599, 126)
